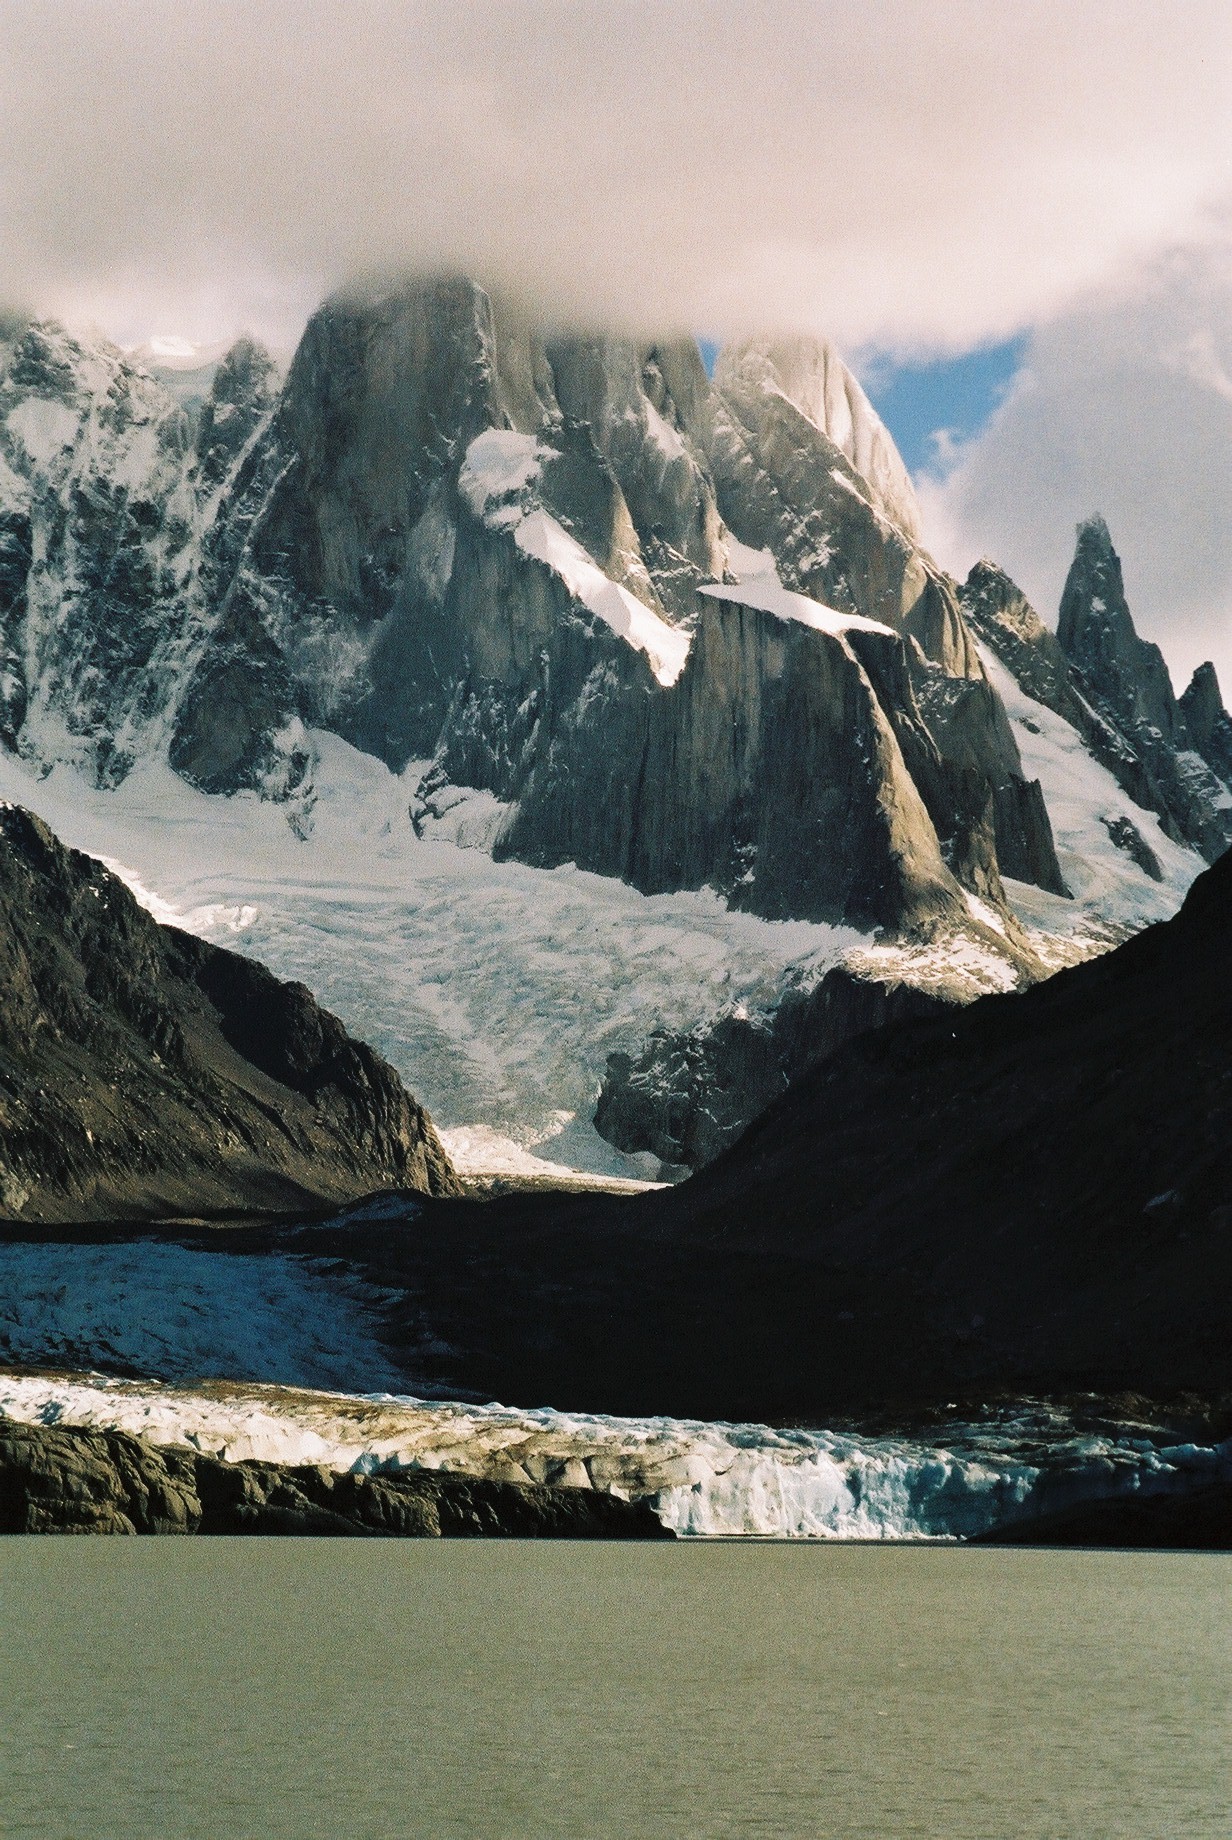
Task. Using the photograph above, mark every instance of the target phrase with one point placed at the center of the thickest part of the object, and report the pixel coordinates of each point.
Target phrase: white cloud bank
(1124, 407)
(907, 174)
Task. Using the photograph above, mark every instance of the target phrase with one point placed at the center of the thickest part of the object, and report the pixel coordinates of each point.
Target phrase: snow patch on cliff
(498, 474)
(766, 594)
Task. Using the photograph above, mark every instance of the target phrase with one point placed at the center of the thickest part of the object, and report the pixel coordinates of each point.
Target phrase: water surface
(269, 1690)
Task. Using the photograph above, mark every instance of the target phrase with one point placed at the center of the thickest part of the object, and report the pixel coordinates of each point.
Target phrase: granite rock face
(144, 1073)
(450, 536)
(1207, 723)
(69, 1479)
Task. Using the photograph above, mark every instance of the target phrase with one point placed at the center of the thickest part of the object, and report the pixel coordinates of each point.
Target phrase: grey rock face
(243, 394)
(786, 485)
(783, 484)
(1207, 722)
(770, 771)
(1000, 614)
(810, 374)
(1127, 682)
(1096, 633)
(626, 396)
(144, 1073)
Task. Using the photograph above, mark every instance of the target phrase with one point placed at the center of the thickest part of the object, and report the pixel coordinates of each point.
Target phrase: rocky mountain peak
(1097, 633)
(1114, 688)
(455, 536)
(244, 391)
(809, 373)
(1207, 721)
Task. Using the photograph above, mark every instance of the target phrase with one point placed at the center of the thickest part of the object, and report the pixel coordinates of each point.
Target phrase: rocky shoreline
(69, 1479)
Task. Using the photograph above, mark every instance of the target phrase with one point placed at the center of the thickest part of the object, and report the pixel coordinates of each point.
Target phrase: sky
(1015, 220)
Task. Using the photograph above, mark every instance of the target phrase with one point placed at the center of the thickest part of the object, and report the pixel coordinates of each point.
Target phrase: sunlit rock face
(453, 536)
(810, 374)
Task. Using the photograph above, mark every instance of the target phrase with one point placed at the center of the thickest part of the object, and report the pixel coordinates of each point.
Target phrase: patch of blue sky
(932, 407)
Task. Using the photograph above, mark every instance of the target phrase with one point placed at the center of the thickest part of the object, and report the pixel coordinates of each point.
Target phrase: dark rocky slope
(687, 1097)
(1032, 1195)
(1197, 1520)
(146, 1073)
(66, 1479)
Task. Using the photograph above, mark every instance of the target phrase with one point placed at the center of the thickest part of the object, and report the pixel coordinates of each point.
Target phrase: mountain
(144, 1073)
(671, 627)
(1027, 1197)
(586, 605)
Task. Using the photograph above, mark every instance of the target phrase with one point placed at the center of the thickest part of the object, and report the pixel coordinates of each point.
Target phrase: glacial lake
(277, 1690)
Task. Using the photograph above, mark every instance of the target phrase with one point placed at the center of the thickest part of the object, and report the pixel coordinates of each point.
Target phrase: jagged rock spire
(1207, 721)
(1097, 633)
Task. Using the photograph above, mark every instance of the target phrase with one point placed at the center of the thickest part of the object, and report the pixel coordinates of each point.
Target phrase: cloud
(906, 175)
(914, 178)
(1124, 406)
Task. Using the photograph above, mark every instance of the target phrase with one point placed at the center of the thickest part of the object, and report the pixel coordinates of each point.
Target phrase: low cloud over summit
(897, 174)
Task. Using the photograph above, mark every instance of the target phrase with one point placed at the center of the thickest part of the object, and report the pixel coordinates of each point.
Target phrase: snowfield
(495, 989)
(1111, 894)
(498, 990)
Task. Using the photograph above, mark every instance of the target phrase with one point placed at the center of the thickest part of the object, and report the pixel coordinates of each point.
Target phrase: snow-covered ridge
(766, 594)
(1111, 895)
(707, 1479)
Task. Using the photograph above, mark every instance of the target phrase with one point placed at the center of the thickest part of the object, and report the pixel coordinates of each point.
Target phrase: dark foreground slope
(143, 1072)
(1051, 1172)
(1033, 1194)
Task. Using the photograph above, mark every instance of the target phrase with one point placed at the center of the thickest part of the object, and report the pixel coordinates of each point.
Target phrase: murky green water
(268, 1690)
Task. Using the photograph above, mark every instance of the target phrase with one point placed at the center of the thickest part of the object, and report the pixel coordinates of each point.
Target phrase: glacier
(704, 1480)
(497, 990)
